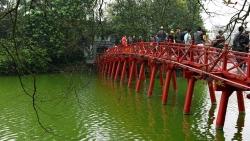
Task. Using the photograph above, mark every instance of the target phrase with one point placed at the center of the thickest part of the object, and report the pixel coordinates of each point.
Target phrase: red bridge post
(113, 69)
(166, 86)
(223, 108)
(103, 68)
(123, 71)
(106, 68)
(110, 67)
(152, 80)
(141, 75)
(240, 99)
(189, 95)
(132, 71)
(117, 70)
(174, 80)
(211, 92)
(161, 76)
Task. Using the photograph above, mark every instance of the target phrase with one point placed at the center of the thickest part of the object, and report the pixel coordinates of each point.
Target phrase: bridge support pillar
(189, 95)
(123, 71)
(223, 108)
(161, 77)
(113, 69)
(174, 80)
(141, 75)
(106, 68)
(166, 87)
(117, 70)
(212, 92)
(241, 105)
(103, 68)
(136, 71)
(131, 74)
(152, 80)
(109, 70)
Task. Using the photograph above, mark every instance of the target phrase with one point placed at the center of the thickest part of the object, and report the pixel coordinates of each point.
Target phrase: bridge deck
(219, 64)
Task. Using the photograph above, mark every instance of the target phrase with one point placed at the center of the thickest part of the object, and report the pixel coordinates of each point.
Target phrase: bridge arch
(216, 66)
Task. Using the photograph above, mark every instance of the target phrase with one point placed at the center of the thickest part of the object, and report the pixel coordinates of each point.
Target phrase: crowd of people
(199, 37)
(240, 41)
(173, 36)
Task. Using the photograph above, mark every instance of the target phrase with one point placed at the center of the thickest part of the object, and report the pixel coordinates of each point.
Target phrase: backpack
(242, 40)
(182, 34)
(197, 38)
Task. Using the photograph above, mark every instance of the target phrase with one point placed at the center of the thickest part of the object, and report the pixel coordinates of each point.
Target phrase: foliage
(144, 18)
(39, 35)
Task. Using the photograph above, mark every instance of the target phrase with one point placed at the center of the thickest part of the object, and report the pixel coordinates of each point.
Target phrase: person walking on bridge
(198, 37)
(240, 42)
(177, 35)
(187, 37)
(161, 35)
(219, 40)
(124, 40)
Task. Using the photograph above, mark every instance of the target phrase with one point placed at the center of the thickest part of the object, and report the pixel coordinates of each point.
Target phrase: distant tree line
(38, 35)
(144, 17)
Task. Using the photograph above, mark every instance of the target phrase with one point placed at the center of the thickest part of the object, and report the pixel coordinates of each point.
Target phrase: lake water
(94, 107)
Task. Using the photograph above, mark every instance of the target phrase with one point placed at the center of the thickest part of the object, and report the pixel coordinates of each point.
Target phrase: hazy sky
(222, 12)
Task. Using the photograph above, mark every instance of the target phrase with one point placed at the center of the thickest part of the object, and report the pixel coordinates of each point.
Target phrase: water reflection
(220, 135)
(186, 126)
(165, 121)
(211, 116)
(151, 120)
(112, 111)
(239, 126)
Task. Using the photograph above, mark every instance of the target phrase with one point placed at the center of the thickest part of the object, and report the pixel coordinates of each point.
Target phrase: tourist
(171, 37)
(198, 37)
(129, 40)
(204, 36)
(140, 39)
(134, 40)
(240, 42)
(161, 35)
(177, 35)
(124, 40)
(219, 41)
(187, 37)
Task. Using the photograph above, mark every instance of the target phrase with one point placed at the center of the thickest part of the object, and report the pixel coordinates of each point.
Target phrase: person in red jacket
(124, 40)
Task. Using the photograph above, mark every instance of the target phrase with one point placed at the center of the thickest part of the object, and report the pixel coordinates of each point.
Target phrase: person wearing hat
(161, 35)
(171, 36)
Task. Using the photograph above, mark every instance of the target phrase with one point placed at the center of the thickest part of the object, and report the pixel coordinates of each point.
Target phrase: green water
(94, 107)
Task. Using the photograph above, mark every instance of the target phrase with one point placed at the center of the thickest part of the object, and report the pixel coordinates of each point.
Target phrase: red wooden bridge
(218, 67)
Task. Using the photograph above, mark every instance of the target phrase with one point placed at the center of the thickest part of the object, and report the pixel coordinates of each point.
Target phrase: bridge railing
(206, 58)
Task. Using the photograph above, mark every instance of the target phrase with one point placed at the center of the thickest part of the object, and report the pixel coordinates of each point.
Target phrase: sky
(222, 12)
